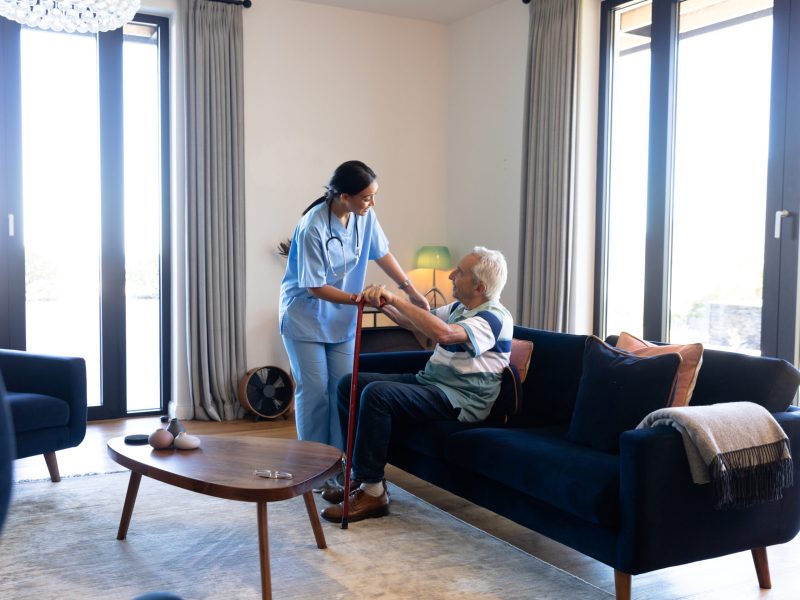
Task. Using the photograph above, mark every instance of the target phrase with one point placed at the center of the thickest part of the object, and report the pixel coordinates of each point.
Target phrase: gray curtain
(215, 245)
(547, 170)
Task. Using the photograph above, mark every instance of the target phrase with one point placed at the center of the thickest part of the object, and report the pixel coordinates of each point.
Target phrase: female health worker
(325, 272)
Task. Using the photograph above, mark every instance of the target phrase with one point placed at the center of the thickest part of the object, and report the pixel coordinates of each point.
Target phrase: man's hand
(419, 300)
(377, 295)
(410, 316)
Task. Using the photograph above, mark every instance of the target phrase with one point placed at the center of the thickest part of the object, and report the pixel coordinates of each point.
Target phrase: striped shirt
(469, 373)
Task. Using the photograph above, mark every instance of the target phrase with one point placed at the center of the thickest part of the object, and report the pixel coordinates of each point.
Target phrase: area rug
(60, 542)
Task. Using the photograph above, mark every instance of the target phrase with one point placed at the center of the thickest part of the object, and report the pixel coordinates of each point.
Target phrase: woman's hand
(418, 299)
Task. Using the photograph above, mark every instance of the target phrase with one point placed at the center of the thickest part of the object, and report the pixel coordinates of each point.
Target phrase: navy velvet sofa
(47, 398)
(6, 454)
(636, 510)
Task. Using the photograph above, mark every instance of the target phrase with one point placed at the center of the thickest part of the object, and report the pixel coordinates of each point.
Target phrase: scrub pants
(316, 368)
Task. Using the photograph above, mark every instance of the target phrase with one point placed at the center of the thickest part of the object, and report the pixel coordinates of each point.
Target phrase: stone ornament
(160, 439)
(184, 441)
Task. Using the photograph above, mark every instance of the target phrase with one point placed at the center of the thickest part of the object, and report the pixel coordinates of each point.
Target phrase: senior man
(460, 381)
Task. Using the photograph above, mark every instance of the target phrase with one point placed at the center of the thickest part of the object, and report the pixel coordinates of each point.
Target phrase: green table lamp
(434, 257)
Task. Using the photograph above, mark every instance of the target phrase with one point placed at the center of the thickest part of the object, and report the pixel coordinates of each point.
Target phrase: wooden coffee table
(225, 467)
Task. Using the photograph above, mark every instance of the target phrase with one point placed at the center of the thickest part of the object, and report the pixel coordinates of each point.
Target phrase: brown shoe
(335, 495)
(362, 506)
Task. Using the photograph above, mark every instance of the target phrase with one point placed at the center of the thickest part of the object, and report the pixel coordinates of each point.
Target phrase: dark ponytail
(319, 200)
(349, 178)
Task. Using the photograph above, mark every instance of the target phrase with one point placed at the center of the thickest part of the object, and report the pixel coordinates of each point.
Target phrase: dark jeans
(384, 399)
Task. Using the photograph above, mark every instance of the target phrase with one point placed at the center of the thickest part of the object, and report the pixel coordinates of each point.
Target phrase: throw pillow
(691, 360)
(508, 400)
(616, 391)
(521, 351)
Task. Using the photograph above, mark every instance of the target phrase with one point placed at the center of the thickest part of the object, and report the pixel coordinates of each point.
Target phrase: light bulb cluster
(82, 16)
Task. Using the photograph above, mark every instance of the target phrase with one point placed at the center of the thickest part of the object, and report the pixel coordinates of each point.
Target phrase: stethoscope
(335, 239)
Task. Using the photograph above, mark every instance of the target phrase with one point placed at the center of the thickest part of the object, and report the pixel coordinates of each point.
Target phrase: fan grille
(266, 391)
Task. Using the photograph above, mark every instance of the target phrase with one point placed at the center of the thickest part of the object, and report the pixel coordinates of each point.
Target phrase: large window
(87, 266)
(630, 91)
(720, 174)
(696, 203)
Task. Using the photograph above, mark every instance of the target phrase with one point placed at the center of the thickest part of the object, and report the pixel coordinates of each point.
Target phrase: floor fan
(266, 392)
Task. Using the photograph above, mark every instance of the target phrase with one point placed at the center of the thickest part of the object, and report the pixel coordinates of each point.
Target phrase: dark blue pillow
(616, 391)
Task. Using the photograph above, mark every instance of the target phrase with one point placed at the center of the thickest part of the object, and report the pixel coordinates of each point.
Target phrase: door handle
(10, 225)
(780, 215)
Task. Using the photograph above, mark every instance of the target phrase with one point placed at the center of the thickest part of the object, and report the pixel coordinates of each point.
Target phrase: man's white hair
(491, 270)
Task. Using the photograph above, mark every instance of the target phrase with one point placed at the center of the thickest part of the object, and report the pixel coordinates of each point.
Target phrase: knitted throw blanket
(738, 446)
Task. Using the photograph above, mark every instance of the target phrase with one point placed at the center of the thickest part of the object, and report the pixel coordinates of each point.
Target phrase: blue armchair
(47, 397)
(6, 454)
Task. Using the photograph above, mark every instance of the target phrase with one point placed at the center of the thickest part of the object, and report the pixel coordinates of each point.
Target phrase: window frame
(12, 254)
(779, 310)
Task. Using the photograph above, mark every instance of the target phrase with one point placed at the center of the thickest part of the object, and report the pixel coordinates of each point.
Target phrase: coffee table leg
(263, 551)
(130, 500)
(311, 507)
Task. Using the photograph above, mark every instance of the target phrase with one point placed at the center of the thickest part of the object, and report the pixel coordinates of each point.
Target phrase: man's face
(465, 288)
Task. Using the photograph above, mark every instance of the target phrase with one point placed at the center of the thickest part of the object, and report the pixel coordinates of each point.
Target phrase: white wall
(324, 85)
(487, 88)
(488, 62)
(436, 110)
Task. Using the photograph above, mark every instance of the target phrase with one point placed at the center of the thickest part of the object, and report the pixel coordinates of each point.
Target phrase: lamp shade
(433, 257)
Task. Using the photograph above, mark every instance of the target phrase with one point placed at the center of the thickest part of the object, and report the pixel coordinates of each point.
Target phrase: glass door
(84, 268)
(61, 197)
(715, 259)
(720, 178)
(627, 182)
(142, 215)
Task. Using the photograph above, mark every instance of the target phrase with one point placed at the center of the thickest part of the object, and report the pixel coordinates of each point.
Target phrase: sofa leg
(622, 585)
(762, 567)
(52, 466)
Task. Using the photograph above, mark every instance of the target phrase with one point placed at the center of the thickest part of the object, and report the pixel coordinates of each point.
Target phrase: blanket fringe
(751, 476)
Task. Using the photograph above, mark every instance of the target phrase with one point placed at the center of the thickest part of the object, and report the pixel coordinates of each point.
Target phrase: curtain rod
(244, 3)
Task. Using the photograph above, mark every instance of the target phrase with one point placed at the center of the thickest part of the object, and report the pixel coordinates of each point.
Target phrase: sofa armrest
(62, 377)
(393, 362)
(666, 519)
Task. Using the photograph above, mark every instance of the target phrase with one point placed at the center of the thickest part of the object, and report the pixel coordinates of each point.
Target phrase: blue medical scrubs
(319, 335)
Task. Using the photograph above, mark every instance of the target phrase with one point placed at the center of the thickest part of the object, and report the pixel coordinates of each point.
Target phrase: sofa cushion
(552, 382)
(427, 437)
(616, 391)
(31, 412)
(733, 377)
(542, 463)
(691, 360)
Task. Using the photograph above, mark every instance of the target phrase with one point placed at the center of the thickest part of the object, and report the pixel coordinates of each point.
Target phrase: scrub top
(324, 251)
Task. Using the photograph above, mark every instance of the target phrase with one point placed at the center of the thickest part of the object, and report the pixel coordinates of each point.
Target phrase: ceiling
(441, 11)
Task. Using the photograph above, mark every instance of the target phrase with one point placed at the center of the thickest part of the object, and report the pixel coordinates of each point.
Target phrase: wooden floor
(728, 578)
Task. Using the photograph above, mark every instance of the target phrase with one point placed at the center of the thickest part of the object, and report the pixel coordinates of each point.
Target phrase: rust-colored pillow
(521, 351)
(691, 360)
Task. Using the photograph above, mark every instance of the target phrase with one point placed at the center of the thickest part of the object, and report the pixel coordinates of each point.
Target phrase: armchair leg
(622, 585)
(762, 567)
(52, 466)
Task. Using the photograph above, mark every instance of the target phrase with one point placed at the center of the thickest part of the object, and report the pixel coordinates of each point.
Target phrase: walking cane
(352, 416)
